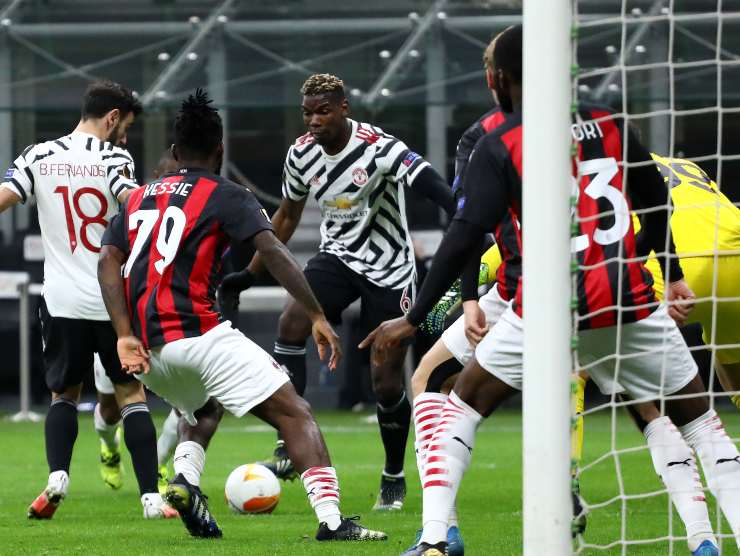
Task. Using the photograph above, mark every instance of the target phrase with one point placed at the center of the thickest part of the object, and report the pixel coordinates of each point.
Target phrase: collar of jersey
(348, 147)
(84, 134)
(192, 170)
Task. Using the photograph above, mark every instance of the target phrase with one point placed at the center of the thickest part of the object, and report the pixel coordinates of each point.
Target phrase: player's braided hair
(322, 83)
(198, 127)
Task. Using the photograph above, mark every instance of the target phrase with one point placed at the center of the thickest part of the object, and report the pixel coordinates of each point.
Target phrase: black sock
(293, 357)
(394, 422)
(60, 431)
(141, 441)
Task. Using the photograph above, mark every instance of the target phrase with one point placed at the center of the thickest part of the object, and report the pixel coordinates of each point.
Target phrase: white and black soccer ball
(252, 489)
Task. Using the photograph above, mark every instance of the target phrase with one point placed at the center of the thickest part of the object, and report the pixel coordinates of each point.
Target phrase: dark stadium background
(47, 47)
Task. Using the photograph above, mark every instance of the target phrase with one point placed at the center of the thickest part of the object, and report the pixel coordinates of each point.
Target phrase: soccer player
(77, 181)
(438, 368)
(705, 222)
(169, 238)
(492, 187)
(357, 173)
(106, 415)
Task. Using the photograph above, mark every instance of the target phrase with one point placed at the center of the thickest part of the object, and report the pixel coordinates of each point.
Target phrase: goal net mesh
(672, 69)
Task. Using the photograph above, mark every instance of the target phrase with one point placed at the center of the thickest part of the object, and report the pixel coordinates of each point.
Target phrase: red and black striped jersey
(610, 280)
(507, 233)
(174, 232)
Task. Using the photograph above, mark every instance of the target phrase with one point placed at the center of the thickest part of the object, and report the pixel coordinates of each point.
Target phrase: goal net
(672, 69)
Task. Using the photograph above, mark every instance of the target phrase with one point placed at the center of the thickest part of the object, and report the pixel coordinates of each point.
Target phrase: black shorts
(69, 347)
(336, 287)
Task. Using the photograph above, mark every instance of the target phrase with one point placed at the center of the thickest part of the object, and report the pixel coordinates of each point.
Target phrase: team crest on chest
(359, 176)
(315, 181)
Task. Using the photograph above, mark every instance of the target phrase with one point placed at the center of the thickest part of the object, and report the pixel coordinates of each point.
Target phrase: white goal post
(547, 281)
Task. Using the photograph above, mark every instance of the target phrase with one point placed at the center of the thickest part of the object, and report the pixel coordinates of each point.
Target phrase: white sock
(58, 483)
(675, 464)
(427, 411)
(322, 487)
(720, 460)
(106, 432)
(190, 459)
(448, 456)
(167, 438)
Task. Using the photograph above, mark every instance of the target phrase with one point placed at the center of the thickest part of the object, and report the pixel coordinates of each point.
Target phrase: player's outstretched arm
(286, 270)
(8, 199)
(284, 222)
(433, 186)
(131, 351)
(461, 242)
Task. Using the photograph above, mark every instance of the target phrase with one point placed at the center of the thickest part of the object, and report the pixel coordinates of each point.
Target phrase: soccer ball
(252, 489)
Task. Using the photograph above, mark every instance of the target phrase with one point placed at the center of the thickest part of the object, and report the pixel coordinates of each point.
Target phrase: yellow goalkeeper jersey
(703, 218)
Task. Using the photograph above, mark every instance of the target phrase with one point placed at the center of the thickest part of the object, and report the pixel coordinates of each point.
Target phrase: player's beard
(115, 135)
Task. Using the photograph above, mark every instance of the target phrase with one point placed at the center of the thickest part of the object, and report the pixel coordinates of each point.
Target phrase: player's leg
(138, 428)
(576, 453)
(675, 464)
(67, 358)
(183, 492)
(657, 363)
(292, 416)
(329, 280)
(729, 377)
(60, 433)
(225, 365)
(392, 405)
(492, 376)
(107, 420)
(704, 432)
(166, 443)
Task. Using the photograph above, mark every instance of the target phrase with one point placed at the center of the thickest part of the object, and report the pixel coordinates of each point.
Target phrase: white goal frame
(547, 281)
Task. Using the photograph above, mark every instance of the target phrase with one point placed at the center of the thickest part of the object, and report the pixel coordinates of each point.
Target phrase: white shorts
(653, 357)
(102, 383)
(222, 363)
(454, 339)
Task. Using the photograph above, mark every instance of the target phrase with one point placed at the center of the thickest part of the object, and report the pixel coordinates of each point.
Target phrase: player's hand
(475, 322)
(387, 336)
(132, 354)
(681, 300)
(324, 336)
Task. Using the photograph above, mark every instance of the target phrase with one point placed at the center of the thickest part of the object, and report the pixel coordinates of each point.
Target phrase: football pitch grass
(95, 520)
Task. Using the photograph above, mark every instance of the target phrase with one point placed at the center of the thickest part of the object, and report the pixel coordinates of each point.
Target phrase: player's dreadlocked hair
(198, 127)
(323, 83)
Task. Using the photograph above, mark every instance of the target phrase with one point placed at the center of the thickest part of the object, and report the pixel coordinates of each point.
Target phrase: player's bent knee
(71, 393)
(109, 408)
(130, 392)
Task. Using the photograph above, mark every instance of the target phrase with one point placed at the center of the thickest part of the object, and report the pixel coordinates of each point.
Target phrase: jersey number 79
(144, 222)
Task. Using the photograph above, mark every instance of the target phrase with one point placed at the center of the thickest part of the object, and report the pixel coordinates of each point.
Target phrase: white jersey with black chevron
(360, 192)
(76, 181)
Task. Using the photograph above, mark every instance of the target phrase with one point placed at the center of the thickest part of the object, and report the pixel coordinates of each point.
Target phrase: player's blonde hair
(322, 83)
